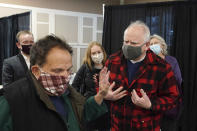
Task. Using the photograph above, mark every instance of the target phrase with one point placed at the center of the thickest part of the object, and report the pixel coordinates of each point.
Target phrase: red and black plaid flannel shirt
(156, 78)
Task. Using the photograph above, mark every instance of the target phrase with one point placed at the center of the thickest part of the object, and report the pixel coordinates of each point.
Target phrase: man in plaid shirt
(149, 81)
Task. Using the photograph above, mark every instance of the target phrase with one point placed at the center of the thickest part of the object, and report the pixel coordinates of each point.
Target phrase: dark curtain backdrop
(184, 48)
(176, 22)
(158, 16)
(9, 26)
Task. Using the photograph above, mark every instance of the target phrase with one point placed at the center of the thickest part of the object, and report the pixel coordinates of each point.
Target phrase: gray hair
(162, 42)
(142, 24)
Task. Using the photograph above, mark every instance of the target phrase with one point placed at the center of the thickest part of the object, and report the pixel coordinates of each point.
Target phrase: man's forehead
(58, 55)
(24, 36)
(135, 34)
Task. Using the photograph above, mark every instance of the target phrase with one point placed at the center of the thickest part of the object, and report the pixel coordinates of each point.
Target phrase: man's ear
(35, 70)
(147, 45)
(18, 45)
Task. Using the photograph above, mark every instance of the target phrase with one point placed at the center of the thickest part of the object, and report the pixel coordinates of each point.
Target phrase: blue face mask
(156, 48)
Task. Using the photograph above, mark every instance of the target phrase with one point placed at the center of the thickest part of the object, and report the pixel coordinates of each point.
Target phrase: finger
(118, 90)
(103, 74)
(104, 70)
(142, 92)
(94, 76)
(121, 94)
(132, 99)
(112, 86)
(107, 76)
(134, 95)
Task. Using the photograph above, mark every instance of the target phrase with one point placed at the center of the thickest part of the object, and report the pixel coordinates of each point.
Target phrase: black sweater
(84, 82)
(84, 79)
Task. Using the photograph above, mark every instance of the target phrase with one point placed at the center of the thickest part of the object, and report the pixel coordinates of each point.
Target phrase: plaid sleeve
(107, 64)
(168, 93)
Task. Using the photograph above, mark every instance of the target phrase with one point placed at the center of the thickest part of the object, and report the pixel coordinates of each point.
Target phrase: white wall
(77, 28)
(86, 6)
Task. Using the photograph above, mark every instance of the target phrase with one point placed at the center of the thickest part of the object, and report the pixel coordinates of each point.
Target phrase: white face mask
(156, 48)
(97, 58)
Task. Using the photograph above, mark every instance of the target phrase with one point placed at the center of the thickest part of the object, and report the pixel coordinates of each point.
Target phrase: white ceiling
(6, 11)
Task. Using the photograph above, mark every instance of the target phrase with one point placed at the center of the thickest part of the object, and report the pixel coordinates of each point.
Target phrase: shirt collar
(27, 61)
(132, 61)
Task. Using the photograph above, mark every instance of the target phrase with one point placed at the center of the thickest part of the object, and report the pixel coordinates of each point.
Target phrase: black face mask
(132, 52)
(26, 48)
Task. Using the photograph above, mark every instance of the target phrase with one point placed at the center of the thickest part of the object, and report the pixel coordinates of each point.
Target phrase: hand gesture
(104, 82)
(143, 101)
(115, 95)
(95, 78)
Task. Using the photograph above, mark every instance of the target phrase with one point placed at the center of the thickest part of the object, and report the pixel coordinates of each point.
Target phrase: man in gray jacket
(15, 67)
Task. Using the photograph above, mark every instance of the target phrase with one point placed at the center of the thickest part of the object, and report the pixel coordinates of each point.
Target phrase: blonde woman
(84, 81)
(93, 62)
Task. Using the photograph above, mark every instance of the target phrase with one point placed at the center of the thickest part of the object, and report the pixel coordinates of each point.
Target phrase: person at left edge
(43, 100)
(15, 67)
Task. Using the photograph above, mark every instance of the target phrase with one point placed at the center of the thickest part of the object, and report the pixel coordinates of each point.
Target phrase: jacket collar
(41, 93)
(71, 93)
(150, 59)
(22, 60)
(153, 59)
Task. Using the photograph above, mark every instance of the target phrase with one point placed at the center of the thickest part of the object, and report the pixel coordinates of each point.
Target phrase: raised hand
(103, 85)
(143, 101)
(104, 81)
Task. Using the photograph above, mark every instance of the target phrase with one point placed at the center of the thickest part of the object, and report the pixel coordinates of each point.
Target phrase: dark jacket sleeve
(92, 110)
(5, 116)
(14, 68)
(79, 78)
(7, 72)
(177, 73)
